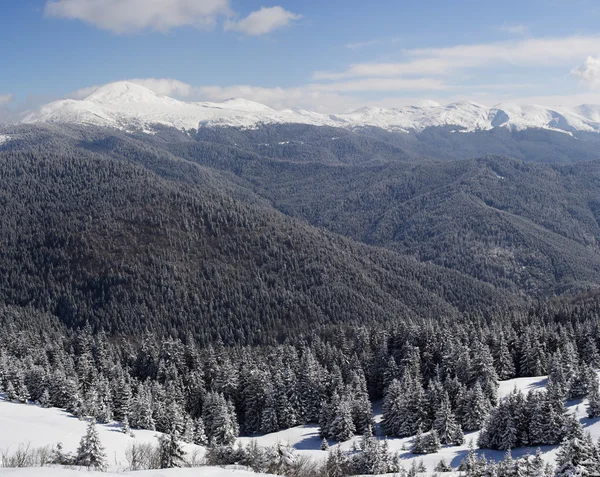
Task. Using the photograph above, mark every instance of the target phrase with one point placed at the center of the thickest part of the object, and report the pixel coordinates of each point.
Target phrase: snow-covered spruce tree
(374, 457)
(425, 443)
(170, 452)
(44, 399)
(418, 443)
(446, 425)
(90, 452)
(337, 463)
(443, 466)
(199, 432)
(503, 359)
(189, 427)
(310, 387)
(475, 408)
(268, 421)
(121, 391)
(581, 381)
(219, 419)
(576, 458)
(483, 372)
(593, 407)
(362, 411)
(342, 426)
(404, 408)
(324, 445)
(327, 414)
(281, 459)
(141, 410)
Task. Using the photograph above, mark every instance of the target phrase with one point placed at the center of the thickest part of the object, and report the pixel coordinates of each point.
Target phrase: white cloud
(445, 61)
(5, 99)
(589, 72)
(382, 84)
(129, 16)
(363, 44)
(514, 29)
(166, 86)
(263, 21)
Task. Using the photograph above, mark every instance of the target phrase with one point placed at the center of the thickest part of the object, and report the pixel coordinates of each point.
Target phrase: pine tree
(268, 421)
(199, 432)
(475, 409)
(445, 424)
(593, 408)
(91, 452)
(503, 360)
(575, 458)
(141, 411)
(219, 420)
(337, 463)
(419, 443)
(170, 452)
(324, 445)
(443, 466)
(44, 400)
(342, 427)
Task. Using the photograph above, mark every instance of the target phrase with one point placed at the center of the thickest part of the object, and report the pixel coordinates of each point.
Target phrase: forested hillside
(97, 239)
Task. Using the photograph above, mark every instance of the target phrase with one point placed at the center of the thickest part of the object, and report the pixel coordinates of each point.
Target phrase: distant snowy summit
(129, 106)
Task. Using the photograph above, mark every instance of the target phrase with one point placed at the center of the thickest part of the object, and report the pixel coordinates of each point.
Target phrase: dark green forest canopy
(235, 236)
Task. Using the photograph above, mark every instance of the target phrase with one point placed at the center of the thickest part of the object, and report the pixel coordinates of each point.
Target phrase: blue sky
(328, 55)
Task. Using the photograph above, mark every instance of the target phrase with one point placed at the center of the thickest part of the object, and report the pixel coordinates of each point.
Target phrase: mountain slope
(129, 106)
(517, 225)
(99, 238)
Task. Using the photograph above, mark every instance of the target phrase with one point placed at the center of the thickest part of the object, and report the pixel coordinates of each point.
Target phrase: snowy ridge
(128, 106)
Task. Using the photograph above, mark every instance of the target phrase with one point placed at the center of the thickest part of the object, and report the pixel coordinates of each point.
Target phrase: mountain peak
(127, 105)
(122, 91)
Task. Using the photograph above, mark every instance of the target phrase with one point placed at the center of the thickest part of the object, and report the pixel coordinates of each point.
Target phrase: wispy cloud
(263, 21)
(514, 29)
(6, 99)
(446, 61)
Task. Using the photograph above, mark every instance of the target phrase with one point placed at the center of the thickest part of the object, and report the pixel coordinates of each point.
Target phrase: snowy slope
(193, 472)
(129, 106)
(38, 427)
(41, 427)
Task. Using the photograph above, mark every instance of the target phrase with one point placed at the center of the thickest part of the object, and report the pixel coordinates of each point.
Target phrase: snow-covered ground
(191, 472)
(305, 439)
(28, 424)
(126, 105)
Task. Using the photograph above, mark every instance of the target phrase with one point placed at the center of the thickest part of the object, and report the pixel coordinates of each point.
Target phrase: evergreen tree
(475, 408)
(593, 407)
(575, 458)
(337, 463)
(170, 452)
(199, 432)
(90, 452)
(219, 420)
(445, 424)
(342, 427)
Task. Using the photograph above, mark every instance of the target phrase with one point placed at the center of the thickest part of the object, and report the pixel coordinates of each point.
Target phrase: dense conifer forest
(191, 284)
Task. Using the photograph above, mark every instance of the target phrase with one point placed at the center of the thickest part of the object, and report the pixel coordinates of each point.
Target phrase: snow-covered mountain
(128, 106)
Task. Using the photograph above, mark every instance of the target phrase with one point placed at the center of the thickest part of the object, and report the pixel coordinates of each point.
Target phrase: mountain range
(129, 106)
(231, 221)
